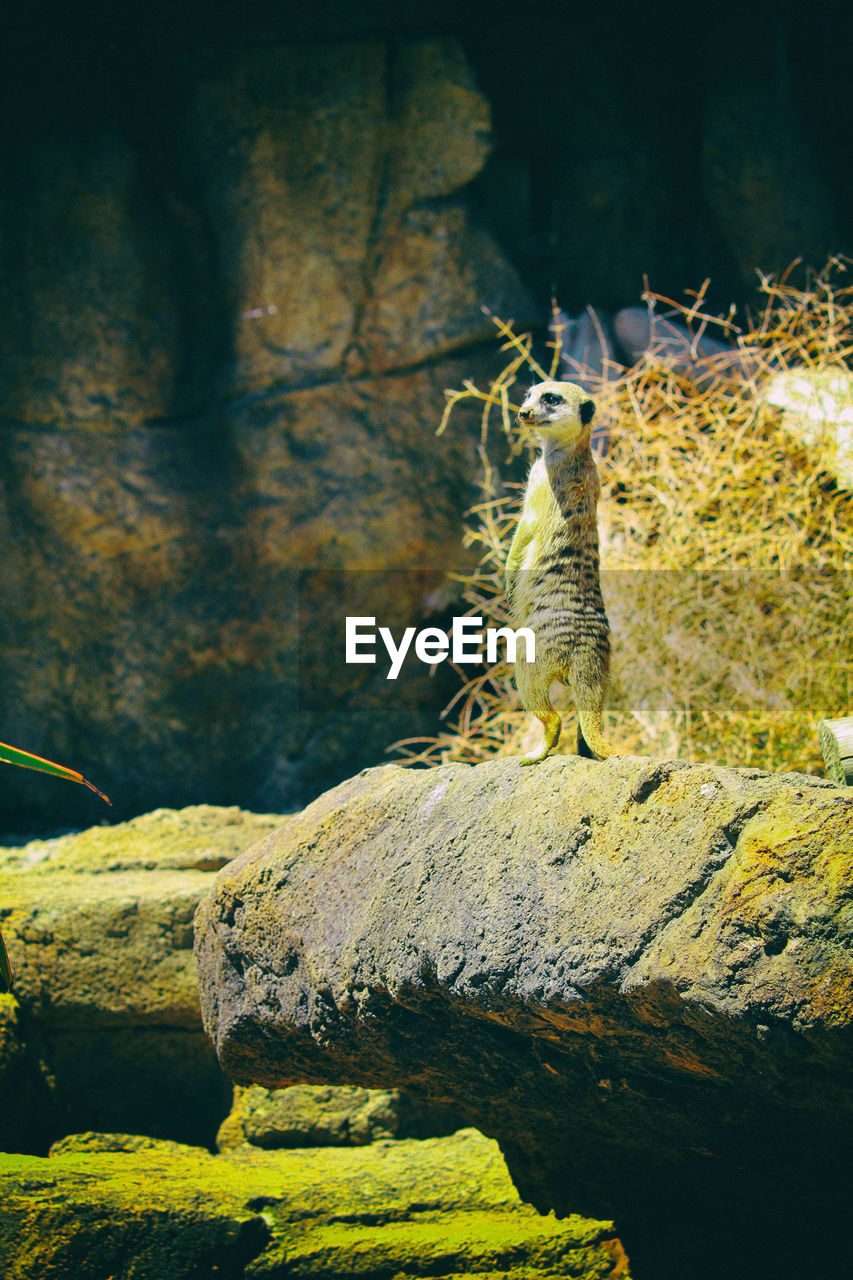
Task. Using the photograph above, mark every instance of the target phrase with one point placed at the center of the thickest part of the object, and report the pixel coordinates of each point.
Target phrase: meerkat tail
(592, 744)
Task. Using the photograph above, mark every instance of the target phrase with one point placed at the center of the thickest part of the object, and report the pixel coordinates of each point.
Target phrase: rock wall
(236, 280)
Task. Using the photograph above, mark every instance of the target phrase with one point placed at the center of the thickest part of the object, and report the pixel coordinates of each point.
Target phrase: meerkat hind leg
(533, 681)
(588, 683)
(551, 726)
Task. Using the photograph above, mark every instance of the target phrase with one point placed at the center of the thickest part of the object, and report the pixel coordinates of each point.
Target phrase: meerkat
(552, 575)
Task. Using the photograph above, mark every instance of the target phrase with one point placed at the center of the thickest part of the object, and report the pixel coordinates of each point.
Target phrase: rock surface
(104, 1030)
(324, 1116)
(635, 975)
(231, 313)
(444, 1207)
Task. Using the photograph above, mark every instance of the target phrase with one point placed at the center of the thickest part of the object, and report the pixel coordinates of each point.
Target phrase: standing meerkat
(552, 570)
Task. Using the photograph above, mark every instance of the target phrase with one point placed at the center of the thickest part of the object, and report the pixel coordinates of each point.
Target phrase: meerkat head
(558, 411)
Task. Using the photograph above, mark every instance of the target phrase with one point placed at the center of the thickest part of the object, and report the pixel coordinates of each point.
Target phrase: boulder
(443, 1207)
(635, 975)
(87, 1143)
(105, 1027)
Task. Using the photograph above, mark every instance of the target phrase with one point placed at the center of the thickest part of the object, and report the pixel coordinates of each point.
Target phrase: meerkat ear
(587, 409)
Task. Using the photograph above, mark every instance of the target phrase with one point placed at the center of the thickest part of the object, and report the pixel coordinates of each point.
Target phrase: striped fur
(552, 570)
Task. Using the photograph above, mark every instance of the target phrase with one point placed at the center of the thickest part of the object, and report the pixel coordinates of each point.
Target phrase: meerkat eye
(551, 400)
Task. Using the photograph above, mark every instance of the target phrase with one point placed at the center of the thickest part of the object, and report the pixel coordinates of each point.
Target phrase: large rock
(235, 295)
(105, 1028)
(443, 1207)
(635, 975)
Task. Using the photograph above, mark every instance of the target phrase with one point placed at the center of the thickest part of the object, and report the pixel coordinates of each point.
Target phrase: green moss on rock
(440, 1207)
(99, 928)
(201, 837)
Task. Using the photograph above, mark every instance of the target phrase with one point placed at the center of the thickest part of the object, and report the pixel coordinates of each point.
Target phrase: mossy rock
(443, 1207)
(99, 930)
(201, 837)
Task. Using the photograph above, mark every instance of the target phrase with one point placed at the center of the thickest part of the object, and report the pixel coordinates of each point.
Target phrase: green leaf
(5, 967)
(11, 755)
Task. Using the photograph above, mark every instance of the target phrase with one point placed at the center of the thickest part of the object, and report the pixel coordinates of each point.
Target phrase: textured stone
(444, 1207)
(282, 171)
(89, 1143)
(325, 1116)
(231, 314)
(193, 587)
(636, 975)
(99, 927)
(91, 318)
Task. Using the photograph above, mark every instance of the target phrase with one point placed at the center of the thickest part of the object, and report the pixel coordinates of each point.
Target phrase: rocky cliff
(635, 975)
(231, 310)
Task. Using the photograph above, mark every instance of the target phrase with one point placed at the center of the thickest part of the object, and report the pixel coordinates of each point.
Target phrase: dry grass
(727, 549)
